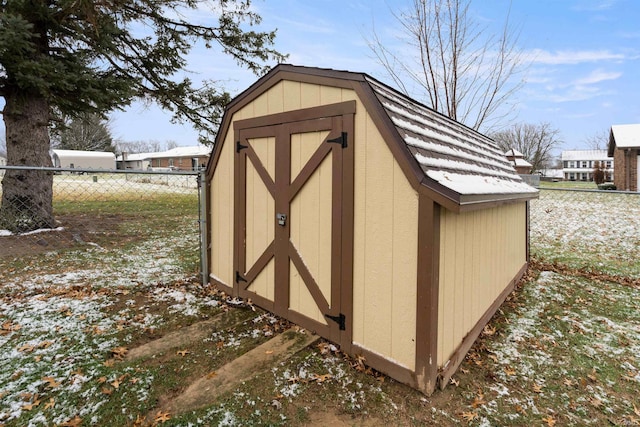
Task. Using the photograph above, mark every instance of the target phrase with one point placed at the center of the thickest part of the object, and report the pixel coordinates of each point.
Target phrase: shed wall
(480, 254)
(222, 215)
(385, 223)
(385, 249)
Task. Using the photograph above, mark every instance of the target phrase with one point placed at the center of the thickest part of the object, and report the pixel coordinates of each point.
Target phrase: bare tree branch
(467, 73)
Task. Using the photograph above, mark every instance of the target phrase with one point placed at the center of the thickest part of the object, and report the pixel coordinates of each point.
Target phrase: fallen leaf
(119, 352)
(549, 420)
(595, 402)
(162, 417)
(592, 376)
(268, 352)
(30, 406)
(109, 363)
(107, 391)
(488, 330)
(73, 422)
(469, 416)
(509, 371)
(321, 378)
(182, 352)
(636, 410)
(37, 358)
(45, 344)
(454, 381)
(478, 401)
(537, 388)
(568, 382)
(116, 383)
(140, 421)
(102, 380)
(26, 348)
(51, 382)
(134, 380)
(211, 375)
(50, 404)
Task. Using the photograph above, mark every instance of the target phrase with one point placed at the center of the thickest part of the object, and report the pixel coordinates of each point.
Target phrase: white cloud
(594, 6)
(597, 76)
(563, 57)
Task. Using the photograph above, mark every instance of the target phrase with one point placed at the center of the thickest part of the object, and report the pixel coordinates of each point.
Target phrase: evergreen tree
(88, 132)
(68, 57)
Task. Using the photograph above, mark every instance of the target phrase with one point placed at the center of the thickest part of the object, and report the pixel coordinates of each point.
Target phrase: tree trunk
(27, 196)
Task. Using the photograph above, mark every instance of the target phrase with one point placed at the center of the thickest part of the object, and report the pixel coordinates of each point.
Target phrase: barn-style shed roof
(457, 163)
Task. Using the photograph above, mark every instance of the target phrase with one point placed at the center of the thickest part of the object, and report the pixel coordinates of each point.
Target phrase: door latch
(282, 219)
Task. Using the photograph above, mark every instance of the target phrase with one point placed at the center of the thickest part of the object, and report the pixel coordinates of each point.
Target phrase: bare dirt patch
(74, 231)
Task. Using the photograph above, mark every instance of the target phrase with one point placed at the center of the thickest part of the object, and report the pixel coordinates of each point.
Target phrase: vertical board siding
(481, 252)
(385, 246)
(222, 214)
(310, 225)
(260, 214)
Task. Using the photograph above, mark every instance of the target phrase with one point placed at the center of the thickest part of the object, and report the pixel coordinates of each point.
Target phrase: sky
(581, 56)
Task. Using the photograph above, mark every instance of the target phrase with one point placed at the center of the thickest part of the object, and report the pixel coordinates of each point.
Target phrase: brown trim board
(426, 364)
(386, 366)
(451, 366)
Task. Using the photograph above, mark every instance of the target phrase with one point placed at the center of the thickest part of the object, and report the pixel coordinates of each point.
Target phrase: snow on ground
(600, 230)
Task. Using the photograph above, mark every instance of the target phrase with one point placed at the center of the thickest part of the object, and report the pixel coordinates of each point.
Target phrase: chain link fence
(159, 215)
(587, 229)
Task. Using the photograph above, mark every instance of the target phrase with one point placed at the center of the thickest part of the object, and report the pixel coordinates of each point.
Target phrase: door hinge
(342, 140)
(240, 146)
(239, 278)
(339, 319)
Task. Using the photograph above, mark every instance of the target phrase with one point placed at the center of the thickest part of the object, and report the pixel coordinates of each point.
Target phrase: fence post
(202, 216)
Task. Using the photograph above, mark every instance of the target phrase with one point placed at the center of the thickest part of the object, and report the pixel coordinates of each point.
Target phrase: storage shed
(79, 159)
(358, 213)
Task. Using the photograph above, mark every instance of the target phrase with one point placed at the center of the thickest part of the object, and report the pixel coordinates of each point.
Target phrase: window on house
(170, 163)
(565, 164)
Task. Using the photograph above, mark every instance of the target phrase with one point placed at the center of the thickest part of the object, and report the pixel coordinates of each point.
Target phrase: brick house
(624, 146)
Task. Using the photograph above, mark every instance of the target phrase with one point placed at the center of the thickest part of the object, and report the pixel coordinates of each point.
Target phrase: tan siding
(260, 211)
(385, 245)
(221, 196)
(475, 266)
(310, 225)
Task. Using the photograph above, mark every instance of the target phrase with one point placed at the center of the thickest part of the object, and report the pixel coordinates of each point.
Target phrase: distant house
(179, 158)
(78, 159)
(624, 147)
(136, 161)
(577, 165)
(519, 163)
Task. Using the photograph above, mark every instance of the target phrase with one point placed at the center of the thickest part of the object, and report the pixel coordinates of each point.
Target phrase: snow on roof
(513, 153)
(520, 162)
(448, 152)
(626, 136)
(84, 154)
(584, 155)
(190, 151)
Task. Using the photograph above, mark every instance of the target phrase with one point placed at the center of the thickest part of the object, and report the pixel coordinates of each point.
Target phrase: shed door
(294, 231)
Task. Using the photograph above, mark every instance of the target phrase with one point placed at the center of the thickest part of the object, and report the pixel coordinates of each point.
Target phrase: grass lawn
(563, 350)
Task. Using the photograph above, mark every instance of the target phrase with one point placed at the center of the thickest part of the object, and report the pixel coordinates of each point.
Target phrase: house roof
(513, 153)
(624, 136)
(189, 151)
(585, 155)
(77, 154)
(455, 163)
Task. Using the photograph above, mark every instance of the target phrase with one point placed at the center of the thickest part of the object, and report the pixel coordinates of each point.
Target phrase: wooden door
(294, 231)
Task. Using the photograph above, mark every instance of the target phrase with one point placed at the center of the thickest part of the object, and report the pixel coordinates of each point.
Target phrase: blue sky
(582, 74)
(583, 58)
